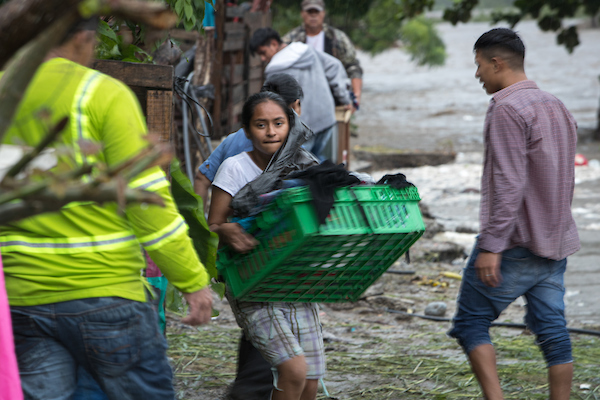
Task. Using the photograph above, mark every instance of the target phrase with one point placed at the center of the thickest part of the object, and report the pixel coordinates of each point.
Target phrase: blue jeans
(323, 144)
(117, 341)
(87, 387)
(539, 279)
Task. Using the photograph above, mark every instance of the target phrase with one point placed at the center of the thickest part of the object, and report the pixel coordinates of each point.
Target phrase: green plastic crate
(367, 230)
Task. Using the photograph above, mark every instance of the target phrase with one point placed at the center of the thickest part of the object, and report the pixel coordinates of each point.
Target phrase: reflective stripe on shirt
(151, 183)
(165, 235)
(80, 127)
(71, 245)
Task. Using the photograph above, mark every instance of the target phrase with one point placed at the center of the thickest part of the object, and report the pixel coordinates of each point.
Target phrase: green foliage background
(375, 25)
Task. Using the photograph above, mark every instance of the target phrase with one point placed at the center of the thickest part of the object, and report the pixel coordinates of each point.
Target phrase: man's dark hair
(284, 85)
(263, 97)
(262, 37)
(504, 43)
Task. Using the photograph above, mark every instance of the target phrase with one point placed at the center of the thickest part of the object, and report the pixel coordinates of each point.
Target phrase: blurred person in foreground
(325, 38)
(526, 227)
(75, 290)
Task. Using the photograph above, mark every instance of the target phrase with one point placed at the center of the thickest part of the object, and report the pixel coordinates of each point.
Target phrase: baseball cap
(313, 5)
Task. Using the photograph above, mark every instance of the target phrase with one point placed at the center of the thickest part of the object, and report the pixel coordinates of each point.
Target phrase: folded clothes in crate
(297, 259)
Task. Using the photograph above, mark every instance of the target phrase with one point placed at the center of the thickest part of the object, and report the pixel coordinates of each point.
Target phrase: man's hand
(487, 267)
(200, 303)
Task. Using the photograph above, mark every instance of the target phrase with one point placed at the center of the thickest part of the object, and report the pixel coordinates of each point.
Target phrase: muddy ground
(376, 354)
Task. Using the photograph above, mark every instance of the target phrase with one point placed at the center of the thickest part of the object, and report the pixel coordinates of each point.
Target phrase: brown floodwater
(405, 106)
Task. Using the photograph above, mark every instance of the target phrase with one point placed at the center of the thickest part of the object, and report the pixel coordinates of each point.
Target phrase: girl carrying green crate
(289, 335)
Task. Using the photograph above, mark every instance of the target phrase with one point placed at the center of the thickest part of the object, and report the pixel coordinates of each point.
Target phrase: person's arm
(508, 163)
(229, 233)
(336, 77)
(201, 186)
(232, 145)
(160, 230)
(347, 55)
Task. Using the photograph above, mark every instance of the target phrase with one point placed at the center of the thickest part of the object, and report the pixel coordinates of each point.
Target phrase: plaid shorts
(281, 331)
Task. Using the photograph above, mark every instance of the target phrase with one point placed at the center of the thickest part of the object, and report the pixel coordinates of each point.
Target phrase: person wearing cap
(322, 37)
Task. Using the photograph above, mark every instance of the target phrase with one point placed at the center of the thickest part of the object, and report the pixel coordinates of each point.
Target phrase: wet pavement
(410, 107)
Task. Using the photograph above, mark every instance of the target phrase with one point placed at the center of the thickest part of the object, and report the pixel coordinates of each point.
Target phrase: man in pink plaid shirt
(526, 227)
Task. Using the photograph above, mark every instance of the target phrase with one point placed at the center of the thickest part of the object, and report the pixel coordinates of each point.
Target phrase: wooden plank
(234, 27)
(343, 124)
(184, 35)
(239, 93)
(236, 57)
(142, 94)
(234, 12)
(159, 107)
(254, 86)
(255, 61)
(255, 20)
(218, 66)
(149, 76)
(234, 45)
(237, 110)
(237, 76)
(255, 73)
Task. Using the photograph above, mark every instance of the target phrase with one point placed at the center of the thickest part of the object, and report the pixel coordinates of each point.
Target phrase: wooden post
(159, 108)
(342, 117)
(218, 65)
(153, 86)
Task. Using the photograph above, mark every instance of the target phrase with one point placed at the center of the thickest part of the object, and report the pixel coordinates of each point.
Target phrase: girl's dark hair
(262, 97)
(284, 85)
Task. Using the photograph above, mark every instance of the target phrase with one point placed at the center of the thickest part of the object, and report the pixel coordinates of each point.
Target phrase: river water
(405, 106)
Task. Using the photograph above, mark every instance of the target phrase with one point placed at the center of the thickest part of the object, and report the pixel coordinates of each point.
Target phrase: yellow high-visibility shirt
(86, 249)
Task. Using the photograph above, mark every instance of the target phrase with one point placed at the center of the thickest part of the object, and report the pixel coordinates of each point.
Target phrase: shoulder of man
(339, 38)
(298, 34)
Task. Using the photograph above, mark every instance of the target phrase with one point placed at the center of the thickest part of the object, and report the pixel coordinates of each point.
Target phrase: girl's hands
(233, 235)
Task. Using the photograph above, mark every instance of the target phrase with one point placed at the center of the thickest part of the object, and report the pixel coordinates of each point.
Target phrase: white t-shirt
(317, 41)
(235, 172)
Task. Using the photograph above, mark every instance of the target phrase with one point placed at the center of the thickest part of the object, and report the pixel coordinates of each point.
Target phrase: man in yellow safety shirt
(73, 277)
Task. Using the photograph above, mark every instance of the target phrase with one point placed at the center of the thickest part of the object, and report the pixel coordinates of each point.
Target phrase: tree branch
(27, 158)
(24, 191)
(22, 20)
(157, 15)
(23, 65)
(48, 201)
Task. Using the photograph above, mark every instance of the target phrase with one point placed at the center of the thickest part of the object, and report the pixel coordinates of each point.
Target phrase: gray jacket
(322, 78)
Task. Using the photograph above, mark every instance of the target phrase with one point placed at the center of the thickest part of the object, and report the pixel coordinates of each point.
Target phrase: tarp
(10, 384)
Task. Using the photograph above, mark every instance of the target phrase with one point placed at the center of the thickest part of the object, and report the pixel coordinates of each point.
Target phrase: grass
(424, 365)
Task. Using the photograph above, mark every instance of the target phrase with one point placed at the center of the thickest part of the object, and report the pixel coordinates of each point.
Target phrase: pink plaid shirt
(528, 174)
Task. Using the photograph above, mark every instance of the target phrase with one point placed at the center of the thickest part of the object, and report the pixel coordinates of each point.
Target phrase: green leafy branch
(190, 12)
(112, 46)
